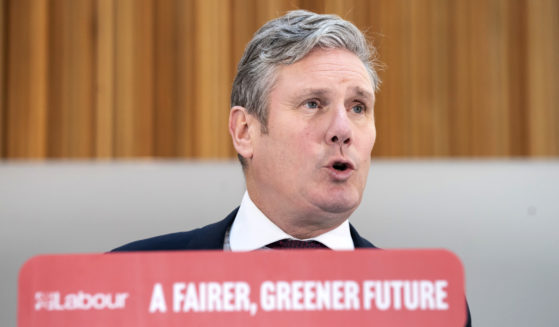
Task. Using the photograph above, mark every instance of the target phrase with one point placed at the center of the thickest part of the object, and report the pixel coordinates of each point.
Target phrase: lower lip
(340, 175)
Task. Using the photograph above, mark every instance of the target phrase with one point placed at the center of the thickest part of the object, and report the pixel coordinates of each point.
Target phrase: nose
(339, 128)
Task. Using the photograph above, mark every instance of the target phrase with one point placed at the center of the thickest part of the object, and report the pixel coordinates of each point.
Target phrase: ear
(240, 124)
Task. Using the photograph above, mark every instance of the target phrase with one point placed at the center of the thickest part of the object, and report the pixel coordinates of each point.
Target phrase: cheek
(299, 148)
(309, 143)
(367, 141)
(373, 136)
(372, 141)
(289, 149)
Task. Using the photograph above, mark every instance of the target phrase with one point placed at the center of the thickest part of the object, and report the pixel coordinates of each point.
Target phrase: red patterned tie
(289, 244)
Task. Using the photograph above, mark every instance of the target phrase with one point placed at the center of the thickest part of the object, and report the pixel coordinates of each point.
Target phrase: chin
(339, 204)
(334, 199)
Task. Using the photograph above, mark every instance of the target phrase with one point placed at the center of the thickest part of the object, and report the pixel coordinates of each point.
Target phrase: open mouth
(341, 166)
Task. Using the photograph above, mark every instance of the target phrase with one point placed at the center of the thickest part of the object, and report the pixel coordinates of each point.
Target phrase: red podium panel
(260, 288)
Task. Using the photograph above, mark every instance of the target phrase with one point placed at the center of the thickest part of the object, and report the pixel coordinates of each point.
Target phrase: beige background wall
(498, 216)
(151, 78)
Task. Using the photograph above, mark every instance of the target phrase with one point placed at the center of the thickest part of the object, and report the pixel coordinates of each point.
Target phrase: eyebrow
(323, 92)
(363, 93)
(312, 92)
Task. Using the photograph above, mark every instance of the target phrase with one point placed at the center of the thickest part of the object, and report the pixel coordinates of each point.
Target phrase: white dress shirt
(252, 230)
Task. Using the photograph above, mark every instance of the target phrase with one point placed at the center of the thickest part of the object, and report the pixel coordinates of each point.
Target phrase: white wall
(500, 217)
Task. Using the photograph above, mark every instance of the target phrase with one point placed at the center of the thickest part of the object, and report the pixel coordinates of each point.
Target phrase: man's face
(315, 158)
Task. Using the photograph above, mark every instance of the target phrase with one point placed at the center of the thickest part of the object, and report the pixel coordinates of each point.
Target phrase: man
(302, 122)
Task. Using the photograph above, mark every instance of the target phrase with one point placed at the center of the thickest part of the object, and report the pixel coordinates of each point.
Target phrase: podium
(365, 287)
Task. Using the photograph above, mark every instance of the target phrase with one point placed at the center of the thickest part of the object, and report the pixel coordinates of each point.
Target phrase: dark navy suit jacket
(211, 237)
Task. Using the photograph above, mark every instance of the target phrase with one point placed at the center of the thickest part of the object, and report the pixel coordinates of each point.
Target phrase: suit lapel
(211, 237)
(358, 241)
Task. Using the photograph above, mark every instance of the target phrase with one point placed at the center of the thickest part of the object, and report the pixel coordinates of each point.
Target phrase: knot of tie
(296, 244)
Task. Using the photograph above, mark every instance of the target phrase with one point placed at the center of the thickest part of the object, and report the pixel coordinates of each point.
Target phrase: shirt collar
(252, 230)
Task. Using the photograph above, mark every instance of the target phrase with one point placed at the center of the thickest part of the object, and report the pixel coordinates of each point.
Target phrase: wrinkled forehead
(324, 69)
(335, 58)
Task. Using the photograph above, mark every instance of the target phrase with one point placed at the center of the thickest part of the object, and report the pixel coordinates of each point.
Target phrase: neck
(299, 223)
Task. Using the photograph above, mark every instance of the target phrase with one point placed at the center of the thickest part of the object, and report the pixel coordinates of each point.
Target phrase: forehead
(324, 71)
(324, 66)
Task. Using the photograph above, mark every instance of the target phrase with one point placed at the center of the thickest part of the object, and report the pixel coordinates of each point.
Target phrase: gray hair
(286, 40)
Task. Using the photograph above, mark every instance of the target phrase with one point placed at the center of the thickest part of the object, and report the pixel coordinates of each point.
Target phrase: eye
(358, 108)
(312, 104)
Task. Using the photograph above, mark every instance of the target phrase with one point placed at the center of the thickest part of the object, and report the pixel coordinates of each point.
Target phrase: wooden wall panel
(70, 116)
(165, 78)
(460, 105)
(515, 47)
(245, 28)
(438, 76)
(419, 109)
(484, 34)
(151, 78)
(58, 80)
(186, 86)
(134, 71)
(213, 78)
(27, 79)
(268, 9)
(388, 31)
(543, 77)
(104, 78)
